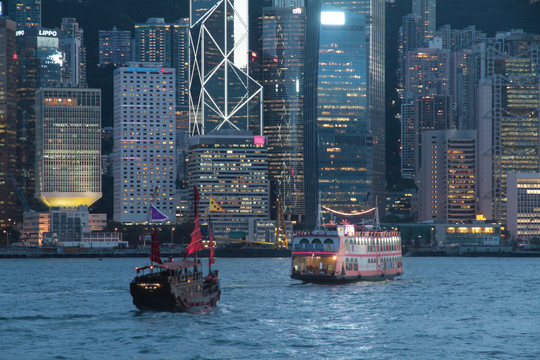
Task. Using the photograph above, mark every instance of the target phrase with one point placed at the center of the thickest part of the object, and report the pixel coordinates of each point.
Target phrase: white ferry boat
(346, 253)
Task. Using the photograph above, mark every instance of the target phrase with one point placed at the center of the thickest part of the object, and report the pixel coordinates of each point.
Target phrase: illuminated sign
(297, 10)
(19, 33)
(47, 33)
(259, 140)
(332, 18)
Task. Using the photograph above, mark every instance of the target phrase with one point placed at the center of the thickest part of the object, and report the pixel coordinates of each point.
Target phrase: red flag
(210, 243)
(155, 254)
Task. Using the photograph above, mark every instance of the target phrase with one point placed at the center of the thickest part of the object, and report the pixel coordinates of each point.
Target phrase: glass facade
(509, 115)
(222, 94)
(8, 123)
(283, 56)
(344, 109)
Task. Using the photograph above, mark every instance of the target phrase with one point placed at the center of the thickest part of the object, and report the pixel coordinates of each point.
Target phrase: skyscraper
(231, 167)
(167, 44)
(448, 176)
(144, 141)
(114, 47)
(222, 94)
(508, 117)
(26, 13)
(344, 105)
(72, 45)
(8, 122)
(40, 65)
(283, 57)
(68, 146)
(426, 9)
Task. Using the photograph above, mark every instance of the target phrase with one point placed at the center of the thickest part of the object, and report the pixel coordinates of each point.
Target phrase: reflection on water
(451, 308)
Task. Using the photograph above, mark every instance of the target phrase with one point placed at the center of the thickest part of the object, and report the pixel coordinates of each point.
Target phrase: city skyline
(436, 108)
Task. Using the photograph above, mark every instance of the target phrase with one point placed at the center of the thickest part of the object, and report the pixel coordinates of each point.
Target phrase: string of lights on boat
(348, 214)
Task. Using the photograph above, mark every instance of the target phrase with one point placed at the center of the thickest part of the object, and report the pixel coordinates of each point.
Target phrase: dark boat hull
(199, 296)
(333, 279)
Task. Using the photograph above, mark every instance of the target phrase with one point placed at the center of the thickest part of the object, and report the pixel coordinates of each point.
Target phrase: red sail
(210, 243)
(155, 254)
(196, 243)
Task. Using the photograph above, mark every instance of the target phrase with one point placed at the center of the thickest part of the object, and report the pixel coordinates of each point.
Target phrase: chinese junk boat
(345, 254)
(177, 286)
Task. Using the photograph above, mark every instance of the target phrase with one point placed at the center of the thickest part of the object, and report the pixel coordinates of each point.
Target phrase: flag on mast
(156, 215)
(214, 206)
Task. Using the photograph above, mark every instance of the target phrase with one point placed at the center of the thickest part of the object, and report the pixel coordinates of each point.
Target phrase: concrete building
(68, 146)
(114, 47)
(523, 206)
(144, 156)
(448, 176)
(232, 167)
(508, 117)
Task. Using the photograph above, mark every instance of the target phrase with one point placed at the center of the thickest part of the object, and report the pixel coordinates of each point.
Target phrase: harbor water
(441, 308)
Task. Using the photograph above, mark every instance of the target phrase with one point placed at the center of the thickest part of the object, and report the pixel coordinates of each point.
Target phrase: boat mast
(376, 224)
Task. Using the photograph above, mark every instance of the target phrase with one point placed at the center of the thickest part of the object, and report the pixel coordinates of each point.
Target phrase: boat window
(316, 241)
(328, 241)
(304, 241)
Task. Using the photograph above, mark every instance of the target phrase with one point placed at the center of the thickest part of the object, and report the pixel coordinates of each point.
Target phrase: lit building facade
(426, 10)
(508, 117)
(167, 44)
(448, 176)
(40, 65)
(114, 47)
(26, 13)
(222, 94)
(523, 210)
(426, 105)
(68, 146)
(343, 126)
(144, 141)
(8, 123)
(283, 57)
(232, 167)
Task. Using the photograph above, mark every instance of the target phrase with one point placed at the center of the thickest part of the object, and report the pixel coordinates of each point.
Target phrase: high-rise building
(426, 105)
(8, 123)
(222, 94)
(72, 45)
(523, 215)
(114, 47)
(40, 65)
(508, 117)
(68, 146)
(144, 141)
(167, 44)
(283, 57)
(426, 9)
(456, 40)
(26, 13)
(232, 168)
(448, 176)
(343, 126)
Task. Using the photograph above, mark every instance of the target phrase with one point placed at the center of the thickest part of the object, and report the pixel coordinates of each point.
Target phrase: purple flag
(157, 215)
